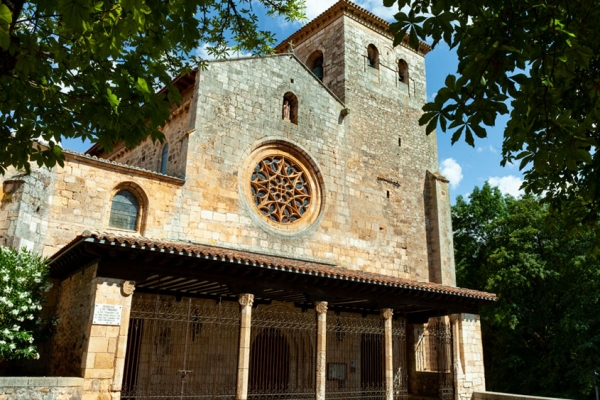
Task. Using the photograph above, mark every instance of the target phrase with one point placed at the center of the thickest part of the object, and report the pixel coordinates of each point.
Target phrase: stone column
(456, 347)
(246, 300)
(387, 314)
(321, 308)
(127, 289)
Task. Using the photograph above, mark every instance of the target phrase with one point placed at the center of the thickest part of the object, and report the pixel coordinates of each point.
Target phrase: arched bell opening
(315, 64)
(373, 56)
(403, 71)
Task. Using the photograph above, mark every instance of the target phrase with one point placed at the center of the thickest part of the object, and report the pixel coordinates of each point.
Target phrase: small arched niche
(373, 56)
(403, 71)
(315, 64)
(289, 110)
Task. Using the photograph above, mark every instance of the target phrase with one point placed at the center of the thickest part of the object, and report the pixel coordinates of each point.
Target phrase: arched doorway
(269, 363)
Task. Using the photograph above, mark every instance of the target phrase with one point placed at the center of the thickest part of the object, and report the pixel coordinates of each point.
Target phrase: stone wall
(370, 165)
(330, 41)
(390, 152)
(81, 348)
(148, 154)
(74, 310)
(468, 369)
(83, 191)
(26, 388)
(24, 207)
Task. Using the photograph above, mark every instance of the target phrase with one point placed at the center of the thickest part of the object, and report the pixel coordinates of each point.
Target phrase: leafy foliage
(541, 57)
(24, 282)
(543, 336)
(91, 68)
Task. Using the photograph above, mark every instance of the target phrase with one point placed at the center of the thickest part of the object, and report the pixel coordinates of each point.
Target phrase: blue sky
(465, 166)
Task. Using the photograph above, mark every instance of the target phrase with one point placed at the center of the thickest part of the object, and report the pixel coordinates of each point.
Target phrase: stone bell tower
(391, 162)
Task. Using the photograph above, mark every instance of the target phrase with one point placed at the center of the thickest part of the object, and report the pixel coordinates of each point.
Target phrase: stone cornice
(117, 167)
(350, 10)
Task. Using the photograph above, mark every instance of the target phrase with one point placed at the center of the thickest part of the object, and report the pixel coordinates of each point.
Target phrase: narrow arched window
(164, 159)
(373, 56)
(315, 64)
(403, 71)
(124, 211)
(290, 108)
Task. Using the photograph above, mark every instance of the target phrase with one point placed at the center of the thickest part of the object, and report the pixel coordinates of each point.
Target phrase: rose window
(280, 189)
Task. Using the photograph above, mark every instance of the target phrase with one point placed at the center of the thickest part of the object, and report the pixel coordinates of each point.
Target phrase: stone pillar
(127, 289)
(103, 358)
(387, 314)
(246, 300)
(468, 355)
(456, 350)
(441, 260)
(321, 308)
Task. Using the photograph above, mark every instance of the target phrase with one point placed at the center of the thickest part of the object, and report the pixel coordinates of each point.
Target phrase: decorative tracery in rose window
(280, 189)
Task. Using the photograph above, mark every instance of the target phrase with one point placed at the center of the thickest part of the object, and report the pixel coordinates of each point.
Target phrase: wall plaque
(107, 314)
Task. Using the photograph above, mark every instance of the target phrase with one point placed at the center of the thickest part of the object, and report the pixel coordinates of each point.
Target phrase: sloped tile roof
(266, 261)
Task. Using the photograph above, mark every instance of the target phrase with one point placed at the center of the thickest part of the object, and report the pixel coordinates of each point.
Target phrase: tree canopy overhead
(537, 60)
(85, 68)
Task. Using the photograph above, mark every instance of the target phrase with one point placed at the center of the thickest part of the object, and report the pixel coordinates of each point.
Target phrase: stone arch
(290, 101)
(373, 56)
(403, 71)
(315, 64)
(128, 205)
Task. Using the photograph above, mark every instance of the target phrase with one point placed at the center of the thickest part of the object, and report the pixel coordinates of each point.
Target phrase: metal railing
(181, 349)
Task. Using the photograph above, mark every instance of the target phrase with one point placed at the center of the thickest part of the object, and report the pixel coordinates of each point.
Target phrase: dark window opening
(373, 56)
(124, 211)
(164, 159)
(315, 64)
(403, 71)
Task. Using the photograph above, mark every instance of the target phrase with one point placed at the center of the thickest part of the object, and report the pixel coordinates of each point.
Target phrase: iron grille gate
(355, 357)
(400, 359)
(181, 349)
(434, 354)
(443, 339)
(282, 354)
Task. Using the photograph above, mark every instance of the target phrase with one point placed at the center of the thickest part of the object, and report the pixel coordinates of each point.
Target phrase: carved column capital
(246, 299)
(321, 307)
(454, 318)
(387, 313)
(127, 288)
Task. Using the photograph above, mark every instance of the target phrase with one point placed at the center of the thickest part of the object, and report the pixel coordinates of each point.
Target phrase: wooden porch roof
(191, 269)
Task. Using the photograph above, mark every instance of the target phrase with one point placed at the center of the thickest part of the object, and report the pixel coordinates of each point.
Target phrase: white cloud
(493, 149)
(377, 8)
(316, 7)
(451, 170)
(479, 149)
(507, 184)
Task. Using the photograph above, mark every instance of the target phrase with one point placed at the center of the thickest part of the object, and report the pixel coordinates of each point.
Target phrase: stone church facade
(290, 239)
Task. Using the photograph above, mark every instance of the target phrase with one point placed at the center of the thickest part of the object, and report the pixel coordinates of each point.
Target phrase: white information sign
(107, 314)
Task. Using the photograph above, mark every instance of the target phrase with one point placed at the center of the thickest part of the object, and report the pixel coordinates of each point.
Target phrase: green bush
(23, 282)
